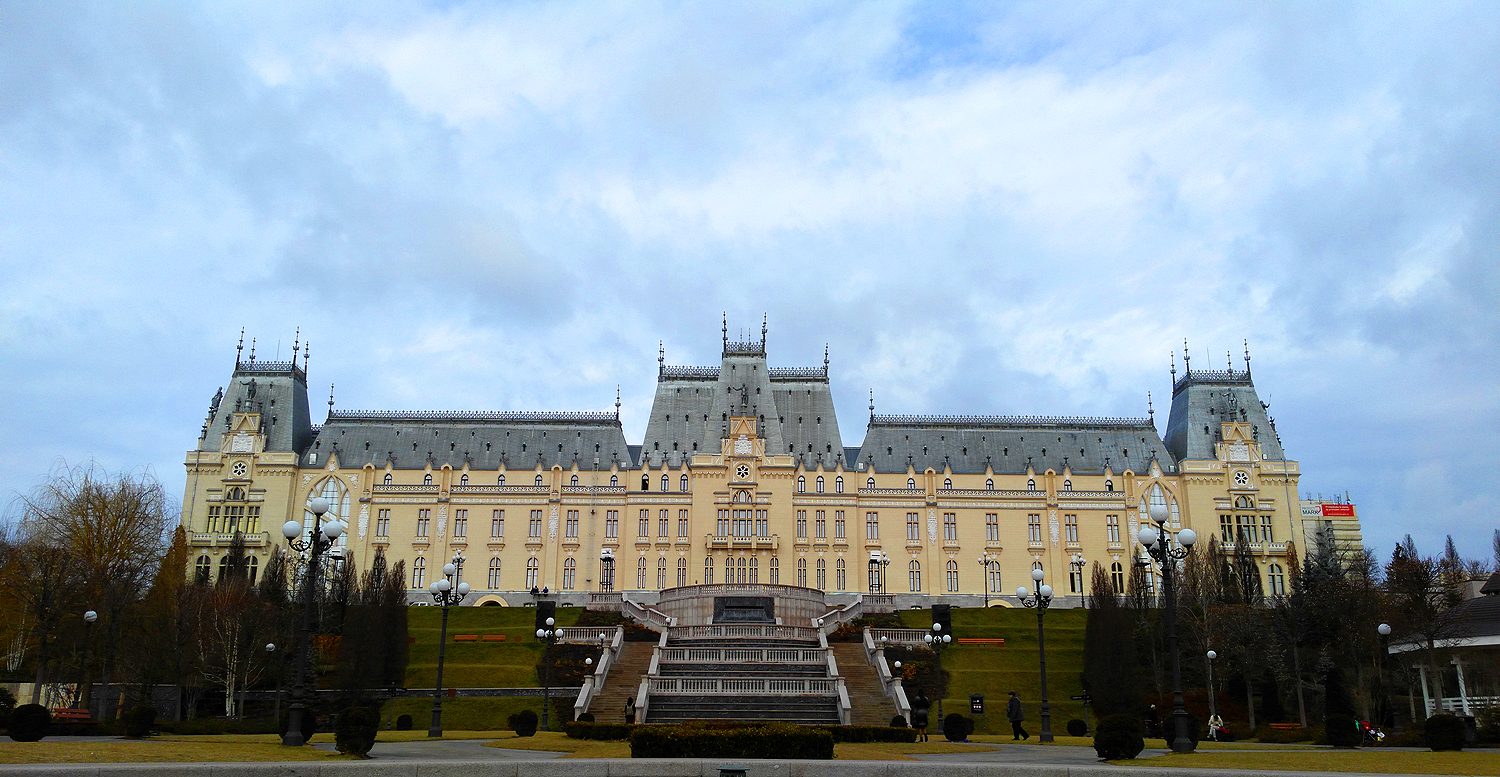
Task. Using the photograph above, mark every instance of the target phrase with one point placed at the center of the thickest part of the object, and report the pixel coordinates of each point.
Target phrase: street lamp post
(88, 629)
(323, 537)
(1212, 706)
(548, 636)
(1077, 563)
(937, 641)
(990, 564)
(606, 570)
(445, 595)
(276, 705)
(1158, 543)
(1384, 630)
(1041, 601)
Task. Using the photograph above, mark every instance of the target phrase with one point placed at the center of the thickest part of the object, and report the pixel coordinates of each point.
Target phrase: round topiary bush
(29, 723)
(1169, 732)
(898, 722)
(403, 723)
(587, 717)
(957, 728)
(1444, 732)
(1118, 736)
(1077, 728)
(354, 734)
(523, 723)
(1342, 731)
(138, 721)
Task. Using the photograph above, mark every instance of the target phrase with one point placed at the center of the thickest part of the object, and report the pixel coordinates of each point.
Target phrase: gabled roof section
(1011, 444)
(1202, 400)
(485, 440)
(278, 391)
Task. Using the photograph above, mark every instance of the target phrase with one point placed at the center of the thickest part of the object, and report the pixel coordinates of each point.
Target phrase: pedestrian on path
(1015, 715)
(919, 707)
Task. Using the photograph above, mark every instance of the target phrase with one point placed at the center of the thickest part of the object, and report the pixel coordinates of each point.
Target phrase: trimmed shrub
(1342, 731)
(523, 723)
(29, 723)
(354, 734)
(1170, 724)
(957, 728)
(403, 723)
(1445, 732)
(1077, 728)
(579, 729)
(587, 717)
(1118, 736)
(693, 740)
(138, 720)
(898, 721)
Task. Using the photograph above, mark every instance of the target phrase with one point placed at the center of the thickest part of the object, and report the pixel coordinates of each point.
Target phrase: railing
(587, 635)
(798, 373)
(650, 616)
(1004, 420)
(605, 600)
(595, 682)
(1455, 704)
(990, 492)
(470, 415)
(668, 373)
(899, 636)
(482, 489)
(744, 630)
(1091, 494)
(912, 492)
(741, 655)
(878, 603)
(254, 540)
(593, 489)
(875, 655)
(395, 488)
(807, 686)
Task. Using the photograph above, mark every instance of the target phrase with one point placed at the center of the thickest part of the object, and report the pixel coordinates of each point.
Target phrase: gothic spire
(238, 349)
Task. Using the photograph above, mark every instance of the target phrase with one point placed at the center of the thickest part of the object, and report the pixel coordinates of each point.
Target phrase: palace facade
(742, 477)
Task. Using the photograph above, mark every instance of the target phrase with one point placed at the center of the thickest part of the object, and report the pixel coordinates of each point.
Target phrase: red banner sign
(1338, 511)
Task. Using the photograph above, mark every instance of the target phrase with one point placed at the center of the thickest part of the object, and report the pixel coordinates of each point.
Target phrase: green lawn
(508, 664)
(996, 670)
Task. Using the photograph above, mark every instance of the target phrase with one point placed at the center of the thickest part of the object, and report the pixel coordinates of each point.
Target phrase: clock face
(240, 469)
(742, 472)
(1241, 478)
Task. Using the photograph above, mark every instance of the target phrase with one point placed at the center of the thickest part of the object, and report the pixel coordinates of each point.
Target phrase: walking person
(919, 707)
(629, 710)
(1015, 715)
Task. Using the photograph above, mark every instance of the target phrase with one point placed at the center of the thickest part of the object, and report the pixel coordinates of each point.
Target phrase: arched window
(427, 479)
(235, 494)
(1244, 503)
(661, 573)
(250, 569)
(869, 482)
(708, 570)
(947, 482)
(801, 484)
(802, 572)
(494, 574)
(914, 575)
(754, 571)
(203, 570)
(681, 572)
(989, 484)
(820, 484)
(1035, 565)
(822, 574)
(640, 574)
(1067, 485)
(645, 482)
(500, 479)
(740, 574)
(838, 485)
(614, 481)
(992, 574)
(665, 483)
(387, 480)
(911, 482)
(570, 571)
(1109, 485)
(419, 572)
(1031, 485)
(333, 490)
(775, 572)
(840, 581)
(682, 483)
(1117, 578)
(573, 481)
(463, 480)
(533, 569)
(952, 577)
(1277, 579)
(538, 480)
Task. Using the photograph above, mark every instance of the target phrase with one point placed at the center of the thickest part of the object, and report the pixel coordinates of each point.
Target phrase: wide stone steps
(624, 680)
(743, 670)
(868, 704)
(786, 709)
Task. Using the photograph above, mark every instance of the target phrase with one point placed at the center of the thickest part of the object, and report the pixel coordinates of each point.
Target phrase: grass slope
(508, 664)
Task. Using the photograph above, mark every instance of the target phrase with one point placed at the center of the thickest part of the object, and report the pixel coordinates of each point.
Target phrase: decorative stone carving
(552, 524)
(932, 526)
(1052, 524)
(364, 520)
(242, 443)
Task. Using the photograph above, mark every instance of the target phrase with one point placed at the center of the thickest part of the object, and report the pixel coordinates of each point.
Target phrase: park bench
(71, 716)
(465, 637)
(979, 641)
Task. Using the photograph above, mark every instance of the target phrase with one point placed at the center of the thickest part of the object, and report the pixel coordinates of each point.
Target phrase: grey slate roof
(485, 440)
(1202, 400)
(1008, 444)
(276, 390)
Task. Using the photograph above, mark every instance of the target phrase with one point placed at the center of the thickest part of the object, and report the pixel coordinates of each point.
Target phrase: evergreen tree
(1111, 669)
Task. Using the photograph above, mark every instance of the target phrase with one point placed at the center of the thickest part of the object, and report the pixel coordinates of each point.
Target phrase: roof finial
(872, 405)
(1150, 411)
(239, 348)
(252, 350)
(1229, 360)
(1187, 358)
(1173, 355)
(825, 360)
(661, 356)
(765, 318)
(1247, 358)
(617, 401)
(726, 332)
(306, 354)
(330, 400)
(296, 345)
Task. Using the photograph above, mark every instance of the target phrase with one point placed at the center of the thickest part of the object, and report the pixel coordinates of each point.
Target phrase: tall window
(681, 572)
(913, 528)
(661, 573)
(1070, 524)
(1112, 526)
(423, 520)
(754, 570)
(914, 575)
(1034, 527)
(1117, 577)
(775, 572)
(872, 526)
(611, 524)
(840, 581)
(460, 524)
(663, 525)
(801, 524)
(950, 527)
(993, 575)
(640, 574)
(723, 525)
(762, 523)
(992, 527)
(383, 523)
(458, 569)
(708, 570)
(822, 574)
(1075, 580)
(665, 484)
(643, 526)
(570, 570)
(802, 572)
(1226, 528)
(739, 576)
(535, 528)
(820, 526)
(682, 485)
(533, 569)
(494, 574)
(838, 485)
(1265, 529)
(801, 484)
(838, 525)
(497, 523)
(203, 571)
(682, 523)
(952, 574)
(820, 484)
(419, 572)
(1276, 577)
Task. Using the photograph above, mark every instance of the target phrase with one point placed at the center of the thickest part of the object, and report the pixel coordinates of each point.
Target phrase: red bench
(465, 637)
(80, 716)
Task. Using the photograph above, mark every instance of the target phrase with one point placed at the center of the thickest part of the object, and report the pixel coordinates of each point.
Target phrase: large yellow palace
(742, 477)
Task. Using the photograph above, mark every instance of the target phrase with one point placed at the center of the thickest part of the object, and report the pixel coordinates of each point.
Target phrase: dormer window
(387, 478)
(614, 480)
(665, 483)
(645, 482)
(1109, 485)
(820, 484)
(989, 484)
(500, 479)
(573, 481)
(463, 480)
(911, 482)
(838, 485)
(1030, 485)
(538, 480)
(682, 483)
(1067, 485)
(947, 482)
(801, 484)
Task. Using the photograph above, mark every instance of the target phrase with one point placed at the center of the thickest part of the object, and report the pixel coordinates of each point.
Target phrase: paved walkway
(448, 750)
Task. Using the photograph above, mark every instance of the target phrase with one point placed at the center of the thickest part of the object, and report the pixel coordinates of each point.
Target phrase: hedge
(695, 740)
(138, 721)
(1118, 736)
(870, 733)
(29, 723)
(1445, 732)
(354, 734)
(598, 731)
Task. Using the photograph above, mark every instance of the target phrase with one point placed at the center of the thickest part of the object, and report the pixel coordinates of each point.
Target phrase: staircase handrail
(744, 631)
(840, 615)
(875, 654)
(900, 636)
(646, 614)
(594, 683)
(846, 709)
(754, 686)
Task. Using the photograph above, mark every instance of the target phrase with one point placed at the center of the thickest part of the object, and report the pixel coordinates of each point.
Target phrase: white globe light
(1384, 629)
(1045, 591)
(444, 585)
(291, 530)
(898, 664)
(463, 589)
(1187, 537)
(1147, 536)
(1160, 514)
(1023, 592)
(1212, 654)
(927, 638)
(602, 637)
(540, 634)
(270, 647)
(449, 569)
(937, 627)
(1036, 574)
(550, 622)
(588, 662)
(90, 616)
(332, 530)
(433, 589)
(318, 506)
(947, 638)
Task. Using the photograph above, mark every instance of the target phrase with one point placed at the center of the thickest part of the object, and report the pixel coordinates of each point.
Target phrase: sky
(1007, 208)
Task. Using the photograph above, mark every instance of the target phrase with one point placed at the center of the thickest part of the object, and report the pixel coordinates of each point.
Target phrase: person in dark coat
(1015, 715)
(919, 708)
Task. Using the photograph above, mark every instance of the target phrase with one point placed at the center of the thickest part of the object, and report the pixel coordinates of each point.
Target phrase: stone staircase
(868, 704)
(624, 680)
(743, 679)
